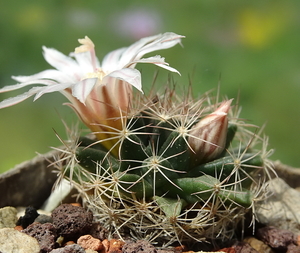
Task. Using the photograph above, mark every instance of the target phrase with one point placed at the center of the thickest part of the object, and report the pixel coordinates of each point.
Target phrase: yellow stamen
(98, 74)
(87, 45)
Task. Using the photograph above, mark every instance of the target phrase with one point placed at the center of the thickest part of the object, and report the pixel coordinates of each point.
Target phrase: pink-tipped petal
(83, 88)
(60, 61)
(149, 44)
(15, 100)
(167, 68)
(131, 76)
(166, 40)
(111, 61)
(156, 60)
(85, 62)
(14, 87)
(52, 88)
(21, 85)
(130, 53)
(52, 74)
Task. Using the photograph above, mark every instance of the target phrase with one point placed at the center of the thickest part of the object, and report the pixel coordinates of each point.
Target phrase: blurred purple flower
(137, 23)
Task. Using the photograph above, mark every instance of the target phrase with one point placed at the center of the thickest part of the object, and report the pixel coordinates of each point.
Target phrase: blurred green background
(249, 46)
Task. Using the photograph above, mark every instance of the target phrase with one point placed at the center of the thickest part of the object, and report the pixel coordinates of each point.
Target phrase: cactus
(185, 170)
(162, 167)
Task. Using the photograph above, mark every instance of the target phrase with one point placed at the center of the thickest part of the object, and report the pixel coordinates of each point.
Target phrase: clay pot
(29, 183)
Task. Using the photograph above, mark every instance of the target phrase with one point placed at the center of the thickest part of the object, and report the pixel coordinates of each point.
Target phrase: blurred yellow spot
(258, 28)
(31, 17)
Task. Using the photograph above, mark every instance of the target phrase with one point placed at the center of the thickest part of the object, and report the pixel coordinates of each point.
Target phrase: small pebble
(8, 217)
(69, 243)
(116, 246)
(224, 250)
(105, 244)
(89, 242)
(19, 228)
(13, 241)
(243, 247)
(137, 247)
(298, 240)
(73, 248)
(43, 218)
(90, 251)
(30, 215)
(260, 246)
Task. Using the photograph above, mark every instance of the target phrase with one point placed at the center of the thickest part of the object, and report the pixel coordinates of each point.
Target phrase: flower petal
(164, 66)
(52, 88)
(150, 44)
(15, 100)
(60, 61)
(83, 88)
(131, 76)
(165, 41)
(111, 61)
(46, 74)
(21, 85)
(154, 60)
(157, 60)
(85, 63)
(131, 52)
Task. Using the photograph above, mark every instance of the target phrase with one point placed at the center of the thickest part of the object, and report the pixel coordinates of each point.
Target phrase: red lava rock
(89, 242)
(98, 231)
(276, 238)
(73, 248)
(140, 246)
(292, 248)
(71, 221)
(45, 235)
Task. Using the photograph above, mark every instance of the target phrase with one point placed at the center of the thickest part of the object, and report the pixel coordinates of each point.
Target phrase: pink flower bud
(207, 138)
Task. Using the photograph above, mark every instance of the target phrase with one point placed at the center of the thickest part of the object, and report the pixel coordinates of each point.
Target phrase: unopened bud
(207, 138)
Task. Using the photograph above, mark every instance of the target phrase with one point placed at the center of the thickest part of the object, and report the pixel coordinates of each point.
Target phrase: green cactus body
(158, 172)
(194, 189)
(225, 166)
(134, 184)
(176, 149)
(90, 159)
(170, 206)
(84, 141)
(152, 182)
(161, 131)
